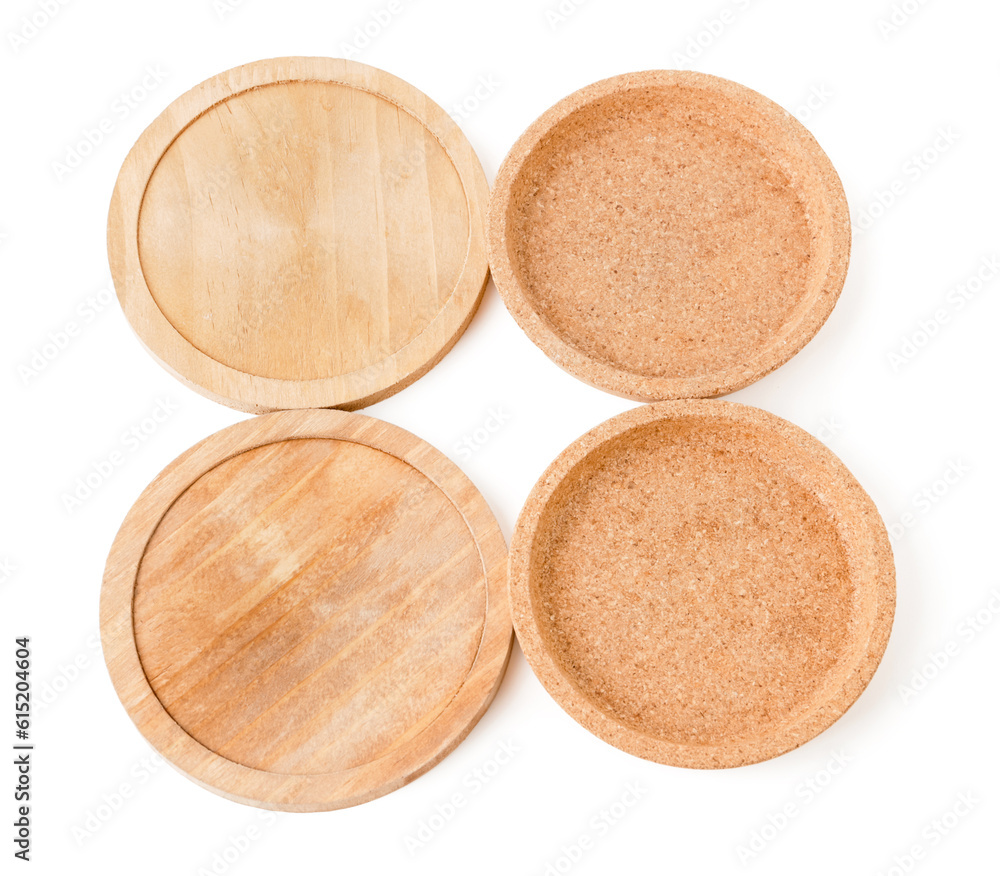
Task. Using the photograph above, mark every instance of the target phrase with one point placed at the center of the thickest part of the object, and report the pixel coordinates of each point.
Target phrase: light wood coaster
(668, 235)
(300, 232)
(307, 610)
(701, 583)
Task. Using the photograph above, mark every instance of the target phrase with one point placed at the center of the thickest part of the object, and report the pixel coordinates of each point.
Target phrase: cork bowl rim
(833, 231)
(858, 521)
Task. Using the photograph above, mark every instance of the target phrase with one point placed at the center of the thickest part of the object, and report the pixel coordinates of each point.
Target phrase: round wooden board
(307, 610)
(300, 232)
(701, 584)
(668, 235)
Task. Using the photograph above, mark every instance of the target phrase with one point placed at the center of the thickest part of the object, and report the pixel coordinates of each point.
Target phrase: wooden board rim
(255, 393)
(303, 792)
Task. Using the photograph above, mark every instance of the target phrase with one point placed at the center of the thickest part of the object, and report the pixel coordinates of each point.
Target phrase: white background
(884, 97)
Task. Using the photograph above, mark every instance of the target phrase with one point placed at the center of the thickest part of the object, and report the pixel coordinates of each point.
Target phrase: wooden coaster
(701, 584)
(668, 235)
(300, 232)
(307, 610)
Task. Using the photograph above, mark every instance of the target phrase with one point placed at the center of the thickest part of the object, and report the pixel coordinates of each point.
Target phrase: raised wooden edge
(865, 540)
(303, 793)
(625, 383)
(254, 393)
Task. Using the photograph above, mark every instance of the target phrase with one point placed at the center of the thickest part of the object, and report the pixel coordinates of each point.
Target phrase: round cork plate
(300, 232)
(701, 584)
(307, 610)
(668, 235)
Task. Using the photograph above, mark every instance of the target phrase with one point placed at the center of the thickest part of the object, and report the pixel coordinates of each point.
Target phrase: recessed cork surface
(307, 610)
(668, 235)
(701, 584)
(300, 232)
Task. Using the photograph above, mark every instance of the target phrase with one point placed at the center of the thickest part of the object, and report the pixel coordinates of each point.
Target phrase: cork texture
(668, 235)
(701, 584)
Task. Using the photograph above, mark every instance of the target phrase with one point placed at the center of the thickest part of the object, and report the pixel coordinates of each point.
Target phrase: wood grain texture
(668, 234)
(307, 610)
(701, 584)
(300, 232)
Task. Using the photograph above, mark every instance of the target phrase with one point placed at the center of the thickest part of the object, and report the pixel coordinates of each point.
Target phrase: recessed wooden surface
(701, 584)
(668, 235)
(300, 232)
(307, 610)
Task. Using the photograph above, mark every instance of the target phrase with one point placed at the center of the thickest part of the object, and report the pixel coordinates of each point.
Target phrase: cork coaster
(307, 610)
(701, 584)
(668, 235)
(300, 232)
